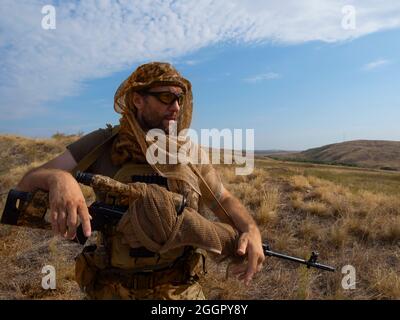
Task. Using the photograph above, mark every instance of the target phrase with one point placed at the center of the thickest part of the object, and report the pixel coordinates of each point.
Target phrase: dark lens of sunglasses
(169, 98)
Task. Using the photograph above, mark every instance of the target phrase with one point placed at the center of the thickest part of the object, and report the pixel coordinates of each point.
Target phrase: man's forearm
(240, 216)
(39, 178)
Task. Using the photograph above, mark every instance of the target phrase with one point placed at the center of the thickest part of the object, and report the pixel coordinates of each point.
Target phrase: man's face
(153, 112)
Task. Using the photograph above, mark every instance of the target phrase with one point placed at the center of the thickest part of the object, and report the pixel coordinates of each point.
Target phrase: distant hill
(377, 154)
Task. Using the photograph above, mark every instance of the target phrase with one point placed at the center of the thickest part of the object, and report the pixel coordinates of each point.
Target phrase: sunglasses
(166, 97)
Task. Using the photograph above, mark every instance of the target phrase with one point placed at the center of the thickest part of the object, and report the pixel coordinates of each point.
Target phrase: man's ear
(138, 101)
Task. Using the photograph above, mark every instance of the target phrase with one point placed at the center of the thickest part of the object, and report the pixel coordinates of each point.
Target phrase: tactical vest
(121, 254)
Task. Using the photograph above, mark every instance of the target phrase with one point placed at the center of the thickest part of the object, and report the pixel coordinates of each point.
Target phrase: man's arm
(250, 240)
(66, 200)
(41, 177)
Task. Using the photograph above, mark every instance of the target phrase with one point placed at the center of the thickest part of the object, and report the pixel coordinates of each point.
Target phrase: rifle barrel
(308, 263)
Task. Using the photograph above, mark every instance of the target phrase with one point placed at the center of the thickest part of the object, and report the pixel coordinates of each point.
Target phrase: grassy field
(351, 216)
(356, 179)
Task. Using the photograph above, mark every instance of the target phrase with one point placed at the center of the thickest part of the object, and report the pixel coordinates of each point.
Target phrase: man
(154, 96)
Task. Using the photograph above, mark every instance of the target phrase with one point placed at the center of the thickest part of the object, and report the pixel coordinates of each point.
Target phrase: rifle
(25, 208)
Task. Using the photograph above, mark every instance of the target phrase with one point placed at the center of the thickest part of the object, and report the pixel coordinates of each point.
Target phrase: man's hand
(67, 203)
(250, 244)
(66, 200)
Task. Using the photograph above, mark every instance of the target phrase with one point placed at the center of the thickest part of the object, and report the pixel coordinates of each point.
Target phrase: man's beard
(148, 124)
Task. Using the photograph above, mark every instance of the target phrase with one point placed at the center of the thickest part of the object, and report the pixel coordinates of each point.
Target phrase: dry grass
(267, 214)
(386, 283)
(24, 253)
(300, 183)
(346, 225)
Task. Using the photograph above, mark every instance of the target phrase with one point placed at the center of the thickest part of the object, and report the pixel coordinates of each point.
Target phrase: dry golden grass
(357, 226)
(24, 253)
(300, 183)
(386, 283)
(267, 214)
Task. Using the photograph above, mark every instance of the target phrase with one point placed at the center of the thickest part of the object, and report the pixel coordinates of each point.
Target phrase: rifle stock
(26, 209)
(20, 211)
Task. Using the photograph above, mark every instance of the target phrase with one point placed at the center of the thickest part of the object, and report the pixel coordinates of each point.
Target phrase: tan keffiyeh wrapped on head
(131, 144)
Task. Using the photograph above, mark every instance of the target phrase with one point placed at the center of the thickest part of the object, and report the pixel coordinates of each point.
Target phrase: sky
(302, 74)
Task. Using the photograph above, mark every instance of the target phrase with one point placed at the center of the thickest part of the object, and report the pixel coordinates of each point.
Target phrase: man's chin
(169, 124)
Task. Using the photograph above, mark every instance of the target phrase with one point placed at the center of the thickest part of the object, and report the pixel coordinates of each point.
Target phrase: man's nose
(175, 107)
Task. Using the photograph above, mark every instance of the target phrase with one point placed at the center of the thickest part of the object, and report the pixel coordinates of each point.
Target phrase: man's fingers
(54, 222)
(251, 266)
(72, 222)
(242, 247)
(246, 271)
(62, 223)
(238, 269)
(261, 260)
(259, 267)
(85, 220)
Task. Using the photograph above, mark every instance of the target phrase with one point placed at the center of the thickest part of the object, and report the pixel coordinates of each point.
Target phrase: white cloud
(191, 62)
(94, 39)
(262, 77)
(375, 64)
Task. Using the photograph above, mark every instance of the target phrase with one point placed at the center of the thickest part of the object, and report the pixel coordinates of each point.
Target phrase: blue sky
(300, 81)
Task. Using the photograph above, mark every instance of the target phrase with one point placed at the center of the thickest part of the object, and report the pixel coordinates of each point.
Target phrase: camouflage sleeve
(89, 141)
(213, 179)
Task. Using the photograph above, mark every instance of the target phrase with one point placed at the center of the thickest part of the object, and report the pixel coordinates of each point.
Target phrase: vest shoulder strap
(94, 154)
